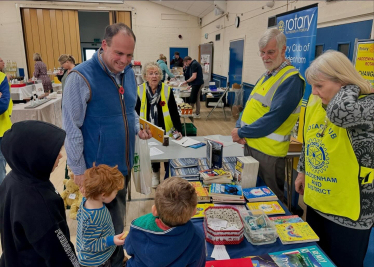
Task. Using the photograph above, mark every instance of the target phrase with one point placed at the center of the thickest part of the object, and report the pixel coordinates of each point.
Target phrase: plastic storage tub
(259, 229)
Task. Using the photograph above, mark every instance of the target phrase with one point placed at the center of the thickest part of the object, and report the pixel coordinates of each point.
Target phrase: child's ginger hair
(102, 179)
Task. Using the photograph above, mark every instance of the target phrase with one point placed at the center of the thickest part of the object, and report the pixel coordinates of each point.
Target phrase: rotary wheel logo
(317, 156)
(281, 26)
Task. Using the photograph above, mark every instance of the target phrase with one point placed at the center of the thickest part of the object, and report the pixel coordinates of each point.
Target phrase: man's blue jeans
(2, 165)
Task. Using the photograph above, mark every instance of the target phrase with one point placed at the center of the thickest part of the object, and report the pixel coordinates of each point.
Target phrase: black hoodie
(33, 224)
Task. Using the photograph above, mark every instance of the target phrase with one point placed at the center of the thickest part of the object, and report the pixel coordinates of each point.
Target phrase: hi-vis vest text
(259, 103)
(5, 122)
(165, 92)
(332, 172)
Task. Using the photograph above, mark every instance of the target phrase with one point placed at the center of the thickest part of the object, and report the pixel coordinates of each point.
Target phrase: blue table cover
(247, 249)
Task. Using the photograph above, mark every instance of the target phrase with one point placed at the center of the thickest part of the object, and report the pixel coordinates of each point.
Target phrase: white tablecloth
(25, 91)
(48, 112)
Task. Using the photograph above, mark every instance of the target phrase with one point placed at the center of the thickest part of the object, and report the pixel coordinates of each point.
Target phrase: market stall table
(48, 112)
(245, 248)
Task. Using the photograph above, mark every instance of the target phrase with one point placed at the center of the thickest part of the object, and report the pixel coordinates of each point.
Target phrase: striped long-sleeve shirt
(95, 235)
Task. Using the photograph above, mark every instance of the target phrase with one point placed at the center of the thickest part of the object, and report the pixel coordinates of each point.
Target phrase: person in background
(96, 240)
(164, 68)
(6, 106)
(177, 61)
(67, 62)
(336, 166)
(40, 72)
(33, 227)
(98, 114)
(155, 100)
(271, 112)
(196, 81)
(186, 71)
(167, 237)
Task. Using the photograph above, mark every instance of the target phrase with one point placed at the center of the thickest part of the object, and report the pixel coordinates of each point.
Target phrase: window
(344, 48)
(218, 37)
(319, 50)
(88, 53)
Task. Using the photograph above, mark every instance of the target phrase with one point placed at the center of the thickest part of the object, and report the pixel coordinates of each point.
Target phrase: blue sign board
(300, 28)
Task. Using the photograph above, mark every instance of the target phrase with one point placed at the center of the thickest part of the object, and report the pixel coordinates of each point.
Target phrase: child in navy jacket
(167, 237)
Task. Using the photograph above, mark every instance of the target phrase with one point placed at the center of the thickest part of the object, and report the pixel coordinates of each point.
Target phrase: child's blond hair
(102, 179)
(175, 201)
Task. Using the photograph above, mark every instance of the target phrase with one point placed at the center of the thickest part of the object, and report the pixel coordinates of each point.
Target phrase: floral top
(357, 116)
(40, 72)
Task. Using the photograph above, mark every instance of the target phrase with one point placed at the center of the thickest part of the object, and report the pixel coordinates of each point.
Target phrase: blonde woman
(154, 100)
(336, 168)
(164, 68)
(67, 62)
(40, 72)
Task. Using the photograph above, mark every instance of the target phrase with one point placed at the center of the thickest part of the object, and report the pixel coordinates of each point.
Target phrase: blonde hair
(175, 201)
(37, 57)
(151, 65)
(269, 35)
(65, 57)
(162, 57)
(336, 67)
(102, 179)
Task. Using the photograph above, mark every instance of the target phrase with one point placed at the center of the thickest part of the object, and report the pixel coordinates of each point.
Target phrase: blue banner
(300, 28)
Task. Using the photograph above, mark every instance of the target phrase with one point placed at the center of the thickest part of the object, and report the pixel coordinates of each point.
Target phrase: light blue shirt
(74, 107)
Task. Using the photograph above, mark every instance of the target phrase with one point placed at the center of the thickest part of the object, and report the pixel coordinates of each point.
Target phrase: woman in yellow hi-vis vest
(6, 106)
(336, 168)
(156, 104)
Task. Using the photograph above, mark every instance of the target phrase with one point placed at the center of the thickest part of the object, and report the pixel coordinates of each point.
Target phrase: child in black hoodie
(33, 224)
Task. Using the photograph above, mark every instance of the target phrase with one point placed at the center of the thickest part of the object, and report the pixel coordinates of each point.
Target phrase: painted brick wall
(254, 16)
(153, 27)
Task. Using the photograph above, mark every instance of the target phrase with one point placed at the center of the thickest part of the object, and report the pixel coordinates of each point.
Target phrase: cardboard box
(295, 145)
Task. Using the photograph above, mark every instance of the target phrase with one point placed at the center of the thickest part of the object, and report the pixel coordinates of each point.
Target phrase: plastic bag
(142, 169)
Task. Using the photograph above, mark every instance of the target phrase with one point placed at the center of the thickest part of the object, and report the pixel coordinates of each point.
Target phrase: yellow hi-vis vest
(332, 172)
(259, 103)
(165, 93)
(5, 122)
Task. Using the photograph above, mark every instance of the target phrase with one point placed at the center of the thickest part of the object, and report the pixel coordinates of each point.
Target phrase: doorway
(183, 52)
(236, 62)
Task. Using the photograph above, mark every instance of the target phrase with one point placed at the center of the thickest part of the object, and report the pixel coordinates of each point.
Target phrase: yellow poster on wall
(364, 62)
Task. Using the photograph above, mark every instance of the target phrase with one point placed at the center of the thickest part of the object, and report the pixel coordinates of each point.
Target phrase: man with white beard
(271, 112)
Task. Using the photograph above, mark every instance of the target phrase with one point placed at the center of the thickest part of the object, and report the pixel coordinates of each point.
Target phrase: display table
(57, 87)
(245, 248)
(24, 91)
(48, 112)
(174, 151)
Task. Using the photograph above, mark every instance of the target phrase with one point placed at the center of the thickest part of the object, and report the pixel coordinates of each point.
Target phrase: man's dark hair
(176, 53)
(187, 58)
(113, 29)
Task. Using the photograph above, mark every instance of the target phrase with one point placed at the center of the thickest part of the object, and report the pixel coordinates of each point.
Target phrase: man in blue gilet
(99, 116)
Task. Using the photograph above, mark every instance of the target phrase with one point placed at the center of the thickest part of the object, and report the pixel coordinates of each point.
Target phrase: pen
(185, 141)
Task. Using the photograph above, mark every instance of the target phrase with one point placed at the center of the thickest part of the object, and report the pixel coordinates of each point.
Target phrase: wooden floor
(140, 204)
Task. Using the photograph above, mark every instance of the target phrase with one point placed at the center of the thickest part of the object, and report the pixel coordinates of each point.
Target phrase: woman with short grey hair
(157, 105)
